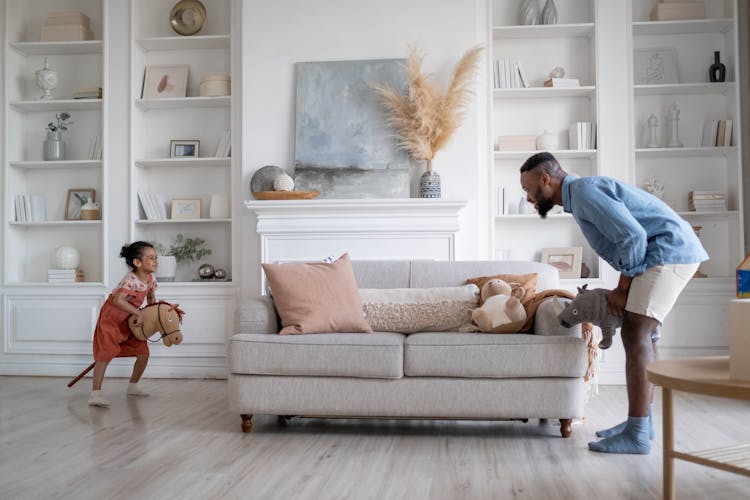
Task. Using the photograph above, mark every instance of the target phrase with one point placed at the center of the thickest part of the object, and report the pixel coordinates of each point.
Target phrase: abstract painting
(343, 146)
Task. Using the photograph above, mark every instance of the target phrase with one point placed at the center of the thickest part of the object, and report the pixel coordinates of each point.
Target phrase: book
(66, 33)
(27, 207)
(147, 210)
(709, 133)
(525, 82)
(516, 143)
(727, 134)
(38, 208)
(562, 82)
(676, 11)
(19, 210)
(720, 132)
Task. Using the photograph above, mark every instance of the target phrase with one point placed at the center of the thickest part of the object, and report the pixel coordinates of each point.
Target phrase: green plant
(184, 249)
(63, 121)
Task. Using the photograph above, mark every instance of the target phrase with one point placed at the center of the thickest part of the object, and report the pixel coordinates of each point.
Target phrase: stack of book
(675, 10)
(68, 26)
(30, 208)
(516, 143)
(65, 275)
(88, 93)
(582, 135)
(565, 83)
(717, 133)
(95, 149)
(707, 201)
(509, 74)
(154, 205)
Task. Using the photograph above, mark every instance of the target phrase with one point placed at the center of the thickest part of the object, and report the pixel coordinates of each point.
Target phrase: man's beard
(544, 206)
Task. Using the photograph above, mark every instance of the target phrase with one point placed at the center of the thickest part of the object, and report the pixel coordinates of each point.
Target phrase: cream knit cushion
(410, 310)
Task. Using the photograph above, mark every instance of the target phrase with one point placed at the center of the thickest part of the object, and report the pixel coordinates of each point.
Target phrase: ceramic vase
(219, 208)
(549, 13)
(528, 12)
(47, 80)
(429, 185)
(717, 72)
(167, 268)
(54, 146)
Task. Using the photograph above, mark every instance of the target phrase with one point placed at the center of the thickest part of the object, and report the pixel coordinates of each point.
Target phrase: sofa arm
(546, 322)
(258, 315)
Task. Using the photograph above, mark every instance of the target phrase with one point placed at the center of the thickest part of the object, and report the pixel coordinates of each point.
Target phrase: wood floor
(182, 442)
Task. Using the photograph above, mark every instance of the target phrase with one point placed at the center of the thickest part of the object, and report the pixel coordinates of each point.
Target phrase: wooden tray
(285, 195)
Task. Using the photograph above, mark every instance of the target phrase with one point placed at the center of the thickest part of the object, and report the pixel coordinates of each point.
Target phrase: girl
(112, 338)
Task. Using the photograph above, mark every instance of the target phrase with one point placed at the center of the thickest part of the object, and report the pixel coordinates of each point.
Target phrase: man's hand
(616, 300)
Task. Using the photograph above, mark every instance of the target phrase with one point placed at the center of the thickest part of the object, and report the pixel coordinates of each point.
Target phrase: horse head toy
(161, 317)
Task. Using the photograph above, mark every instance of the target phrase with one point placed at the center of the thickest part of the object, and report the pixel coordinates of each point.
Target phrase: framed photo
(654, 66)
(76, 199)
(567, 260)
(184, 149)
(186, 209)
(165, 81)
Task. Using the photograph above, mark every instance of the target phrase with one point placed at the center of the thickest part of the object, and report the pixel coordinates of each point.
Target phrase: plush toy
(161, 317)
(502, 311)
(590, 306)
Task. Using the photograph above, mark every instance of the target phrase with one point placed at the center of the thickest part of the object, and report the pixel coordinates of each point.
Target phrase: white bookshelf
(196, 42)
(572, 44)
(694, 166)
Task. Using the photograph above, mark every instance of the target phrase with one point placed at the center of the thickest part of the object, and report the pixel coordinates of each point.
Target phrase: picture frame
(184, 148)
(76, 198)
(186, 209)
(165, 81)
(655, 66)
(567, 260)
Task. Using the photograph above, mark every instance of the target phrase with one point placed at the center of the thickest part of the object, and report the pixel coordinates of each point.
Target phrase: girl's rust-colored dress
(112, 337)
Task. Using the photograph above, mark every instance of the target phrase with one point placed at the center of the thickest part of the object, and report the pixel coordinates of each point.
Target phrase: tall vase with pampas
(424, 118)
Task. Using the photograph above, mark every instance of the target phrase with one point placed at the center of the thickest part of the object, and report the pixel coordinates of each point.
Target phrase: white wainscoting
(365, 228)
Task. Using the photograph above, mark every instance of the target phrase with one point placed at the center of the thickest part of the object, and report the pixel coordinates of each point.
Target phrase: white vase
(549, 13)
(547, 141)
(167, 268)
(219, 208)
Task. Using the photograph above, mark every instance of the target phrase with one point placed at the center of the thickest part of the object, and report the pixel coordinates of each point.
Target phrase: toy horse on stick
(161, 317)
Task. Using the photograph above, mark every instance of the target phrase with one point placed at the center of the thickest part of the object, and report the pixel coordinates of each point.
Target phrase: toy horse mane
(156, 318)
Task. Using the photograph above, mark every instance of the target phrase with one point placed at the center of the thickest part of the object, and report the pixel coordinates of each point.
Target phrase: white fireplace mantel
(412, 228)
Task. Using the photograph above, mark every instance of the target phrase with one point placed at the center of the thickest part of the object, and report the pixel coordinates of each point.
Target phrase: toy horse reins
(162, 329)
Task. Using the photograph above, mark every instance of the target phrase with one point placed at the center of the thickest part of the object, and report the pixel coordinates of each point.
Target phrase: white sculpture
(653, 123)
(674, 117)
(66, 257)
(47, 80)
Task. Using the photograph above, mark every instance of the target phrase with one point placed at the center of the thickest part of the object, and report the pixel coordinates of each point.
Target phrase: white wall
(278, 34)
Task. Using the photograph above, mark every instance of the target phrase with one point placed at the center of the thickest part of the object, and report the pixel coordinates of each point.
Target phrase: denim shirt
(629, 228)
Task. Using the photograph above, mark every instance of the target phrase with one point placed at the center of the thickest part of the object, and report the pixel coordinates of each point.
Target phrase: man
(656, 253)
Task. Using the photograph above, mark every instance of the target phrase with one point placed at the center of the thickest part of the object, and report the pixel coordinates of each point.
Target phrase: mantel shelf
(184, 162)
(57, 105)
(681, 152)
(543, 31)
(46, 165)
(558, 153)
(184, 102)
(685, 88)
(534, 216)
(58, 48)
(549, 92)
(718, 215)
(691, 26)
(394, 207)
(184, 42)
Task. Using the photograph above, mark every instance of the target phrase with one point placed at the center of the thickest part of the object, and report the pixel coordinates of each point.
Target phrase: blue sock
(621, 426)
(633, 439)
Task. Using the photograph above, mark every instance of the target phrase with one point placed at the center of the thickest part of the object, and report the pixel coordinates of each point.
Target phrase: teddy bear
(502, 311)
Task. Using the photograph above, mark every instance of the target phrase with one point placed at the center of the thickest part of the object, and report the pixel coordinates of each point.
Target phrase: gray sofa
(443, 375)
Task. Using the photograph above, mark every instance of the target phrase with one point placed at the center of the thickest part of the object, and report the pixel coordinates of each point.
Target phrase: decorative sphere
(206, 271)
(283, 182)
(66, 257)
(220, 274)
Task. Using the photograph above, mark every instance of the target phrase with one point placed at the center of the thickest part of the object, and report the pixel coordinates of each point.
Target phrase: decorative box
(66, 33)
(739, 339)
(743, 279)
(673, 11)
(215, 86)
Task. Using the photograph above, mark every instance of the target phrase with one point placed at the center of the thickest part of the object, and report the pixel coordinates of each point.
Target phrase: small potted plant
(181, 250)
(54, 146)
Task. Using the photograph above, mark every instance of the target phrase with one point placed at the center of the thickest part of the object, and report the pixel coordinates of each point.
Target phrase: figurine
(653, 122)
(674, 117)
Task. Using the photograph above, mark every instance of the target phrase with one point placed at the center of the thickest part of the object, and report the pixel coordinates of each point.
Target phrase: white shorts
(654, 292)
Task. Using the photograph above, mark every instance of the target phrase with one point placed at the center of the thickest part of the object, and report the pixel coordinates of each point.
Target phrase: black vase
(717, 71)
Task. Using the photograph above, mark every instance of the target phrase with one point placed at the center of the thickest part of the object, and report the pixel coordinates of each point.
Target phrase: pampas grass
(424, 118)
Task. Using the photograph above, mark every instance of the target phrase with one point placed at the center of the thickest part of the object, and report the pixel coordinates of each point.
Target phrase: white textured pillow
(410, 310)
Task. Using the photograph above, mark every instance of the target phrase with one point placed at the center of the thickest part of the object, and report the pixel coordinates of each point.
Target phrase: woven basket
(89, 214)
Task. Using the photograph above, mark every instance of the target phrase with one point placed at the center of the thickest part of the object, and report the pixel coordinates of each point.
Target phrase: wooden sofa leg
(566, 427)
(247, 422)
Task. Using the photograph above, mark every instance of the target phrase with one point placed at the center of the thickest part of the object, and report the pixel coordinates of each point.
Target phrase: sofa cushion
(409, 310)
(379, 355)
(527, 282)
(316, 297)
(481, 355)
